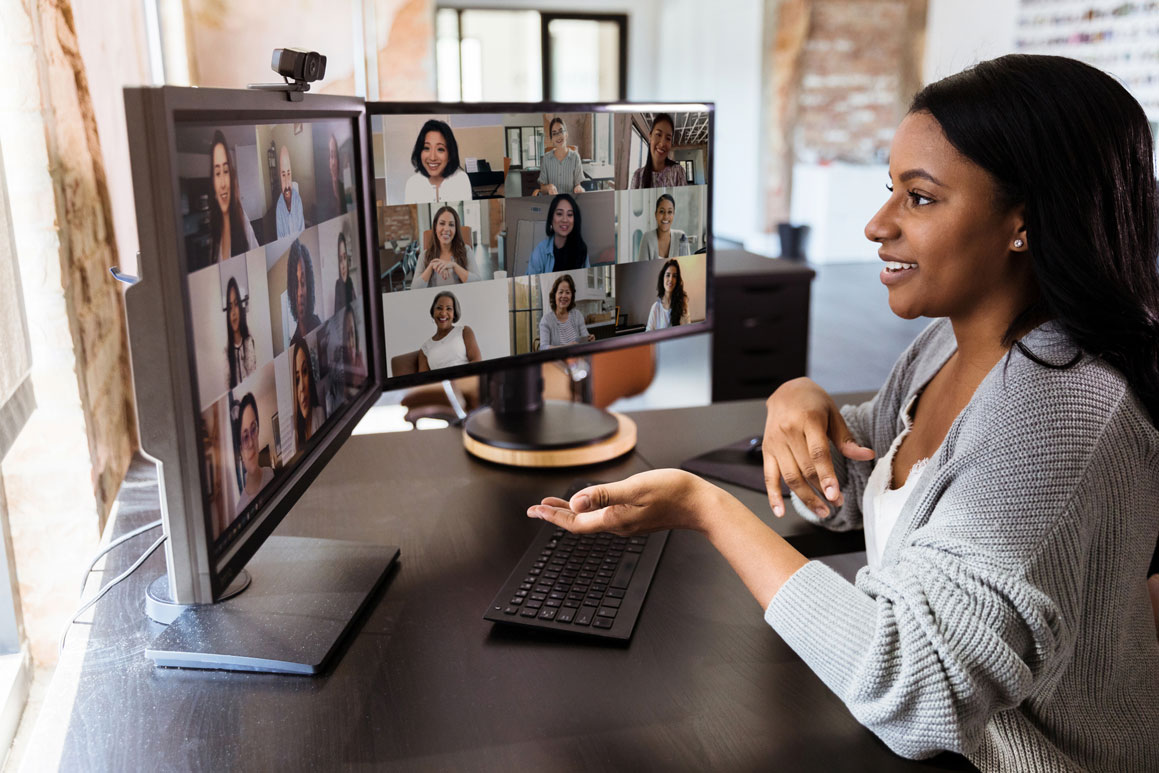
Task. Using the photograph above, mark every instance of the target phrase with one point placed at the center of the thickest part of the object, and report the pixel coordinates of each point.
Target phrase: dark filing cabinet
(761, 328)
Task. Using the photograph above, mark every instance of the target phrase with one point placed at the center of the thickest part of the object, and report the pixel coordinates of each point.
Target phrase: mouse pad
(731, 464)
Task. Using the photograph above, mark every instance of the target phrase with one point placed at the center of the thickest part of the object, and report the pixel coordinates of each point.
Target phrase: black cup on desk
(793, 239)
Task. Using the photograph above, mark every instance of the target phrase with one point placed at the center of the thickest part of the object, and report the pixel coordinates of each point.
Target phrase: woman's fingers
(797, 482)
(843, 438)
(773, 485)
(577, 523)
(825, 478)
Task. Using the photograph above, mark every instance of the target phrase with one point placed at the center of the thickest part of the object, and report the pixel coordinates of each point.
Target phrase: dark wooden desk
(427, 684)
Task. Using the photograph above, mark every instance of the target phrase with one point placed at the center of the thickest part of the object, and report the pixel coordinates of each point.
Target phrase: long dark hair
(646, 177)
(574, 249)
(300, 254)
(242, 327)
(302, 423)
(458, 246)
(452, 148)
(237, 241)
(1068, 143)
(679, 301)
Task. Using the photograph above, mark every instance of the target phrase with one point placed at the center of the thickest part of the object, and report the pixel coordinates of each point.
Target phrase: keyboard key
(551, 603)
(584, 616)
(565, 615)
(510, 610)
(538, 596)
(570, 603)
(547, 613)
(591, 602)
(528, 612)
(613, 603)
(615, 593)
(533, 604)
(516, 601)
(603, 622)
(607, 612)
(624, 573)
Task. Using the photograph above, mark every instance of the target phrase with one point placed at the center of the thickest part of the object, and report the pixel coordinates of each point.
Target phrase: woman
(1004, 612)
(300, 288)
(448, 261)
(672, 307)
(241, 350)
(561, 169)
(308, 413)
(353, 363)
(344, 284)
(438, 176)
(449, 345)
(564, 248)
(565, 324)
(229, 230)
(659, 171)
(245, 440)
(665, 241)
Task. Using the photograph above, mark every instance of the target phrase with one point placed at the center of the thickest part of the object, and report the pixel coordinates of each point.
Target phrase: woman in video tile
(659, 171)
(344, 284)
(564, 324)
(352, 362)
(564, 248)
(300, 288)
(332, 200)
(448, 261)
(241, 351)
(245, 440)
(230, 231)
(665, 241)
(561, 170)
(1005, 473)
(449, 345)
(308, 413)
(672, 307)
(438, 174)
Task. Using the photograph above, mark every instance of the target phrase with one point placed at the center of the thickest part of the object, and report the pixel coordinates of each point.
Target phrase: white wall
(959, 34)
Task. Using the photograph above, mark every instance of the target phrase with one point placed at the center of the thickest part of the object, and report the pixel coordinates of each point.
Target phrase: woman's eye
(919, 200)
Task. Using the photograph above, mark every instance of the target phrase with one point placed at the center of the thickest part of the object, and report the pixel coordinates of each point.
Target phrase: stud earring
(1018, 243)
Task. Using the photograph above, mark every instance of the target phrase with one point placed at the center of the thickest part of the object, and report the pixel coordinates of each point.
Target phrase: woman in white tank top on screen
(449, 345)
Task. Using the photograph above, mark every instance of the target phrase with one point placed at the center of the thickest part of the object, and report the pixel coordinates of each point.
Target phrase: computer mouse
(754, 449)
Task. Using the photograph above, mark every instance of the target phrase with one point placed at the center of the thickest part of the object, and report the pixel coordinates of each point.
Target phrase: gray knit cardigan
(1009, 619)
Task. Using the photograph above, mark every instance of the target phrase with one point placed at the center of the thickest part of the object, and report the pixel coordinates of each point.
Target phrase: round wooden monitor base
(593, 453)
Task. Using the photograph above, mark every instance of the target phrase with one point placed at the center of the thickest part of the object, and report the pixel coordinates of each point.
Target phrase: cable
(109, 587)
(453, 399)
(123, 538)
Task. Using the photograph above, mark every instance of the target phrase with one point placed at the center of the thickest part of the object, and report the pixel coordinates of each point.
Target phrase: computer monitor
(594, 206)
(298, 258)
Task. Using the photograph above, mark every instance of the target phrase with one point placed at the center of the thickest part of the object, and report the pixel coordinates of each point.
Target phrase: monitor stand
(517, 427)
(302, 599)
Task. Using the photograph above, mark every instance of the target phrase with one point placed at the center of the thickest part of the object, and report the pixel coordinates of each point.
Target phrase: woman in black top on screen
(308, 413)
(300, 288)
(229, 230)
(343, 285)
(240, 349)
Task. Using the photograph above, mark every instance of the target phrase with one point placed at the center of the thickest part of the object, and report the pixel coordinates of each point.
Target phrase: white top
(436, 280)
(449, 350)
(881, 505)
(266, 475)
(419, 190)
(660, 317)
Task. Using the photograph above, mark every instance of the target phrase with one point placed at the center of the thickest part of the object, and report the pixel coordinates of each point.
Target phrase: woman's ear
(1018, 239)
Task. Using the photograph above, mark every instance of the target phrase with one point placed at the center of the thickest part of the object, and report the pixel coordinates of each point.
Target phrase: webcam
(299, 65)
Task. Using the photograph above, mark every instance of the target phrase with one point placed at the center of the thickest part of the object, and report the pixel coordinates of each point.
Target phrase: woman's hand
(591, 336)
(577, 190)
(801, 420)
(443, 267)
(650, 501)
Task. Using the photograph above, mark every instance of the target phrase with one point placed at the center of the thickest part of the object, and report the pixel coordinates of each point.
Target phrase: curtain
(16, 399)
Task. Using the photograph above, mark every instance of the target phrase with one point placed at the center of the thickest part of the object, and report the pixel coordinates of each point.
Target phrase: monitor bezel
(483, 367)
(199, 570)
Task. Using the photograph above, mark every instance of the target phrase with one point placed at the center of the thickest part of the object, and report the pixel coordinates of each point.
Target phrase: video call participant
(332, 200)
(290, 218)
(300, 289)
(564, 248)
(448, 261)
(352, 362)
(308, 413)
(449, 345)
(245, 441)
(241, 351)
(229, 229)
(672, 307)
(565, 323)
(560, 170)
(1003, 613)
(659, 171)
(344, 284)
(438, 174)
(665, 241)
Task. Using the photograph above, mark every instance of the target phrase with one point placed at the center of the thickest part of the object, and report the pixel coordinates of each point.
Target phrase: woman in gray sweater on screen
(1007, 473)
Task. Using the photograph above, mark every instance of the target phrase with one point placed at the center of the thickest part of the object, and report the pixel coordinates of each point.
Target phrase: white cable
(123, 538)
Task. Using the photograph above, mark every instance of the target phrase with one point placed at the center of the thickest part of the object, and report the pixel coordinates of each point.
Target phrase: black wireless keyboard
(591, 584)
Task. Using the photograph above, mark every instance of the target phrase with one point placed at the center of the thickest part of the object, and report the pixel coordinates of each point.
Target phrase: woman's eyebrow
(920, 173)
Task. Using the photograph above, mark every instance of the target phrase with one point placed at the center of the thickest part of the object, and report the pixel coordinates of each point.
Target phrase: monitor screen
(271, 242)
(537, 231)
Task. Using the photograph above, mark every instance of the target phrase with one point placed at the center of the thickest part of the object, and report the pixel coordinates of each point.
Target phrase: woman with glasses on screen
(1005, 474)
(448, 261)
(230, 231)
(308, 413)
(564, 248)
(565, 323)
(672, 307)
(450, 345)
(245, 440)
(659, 171)
(438, 174)
(241, 350)
(664, 241)
(560, 170)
